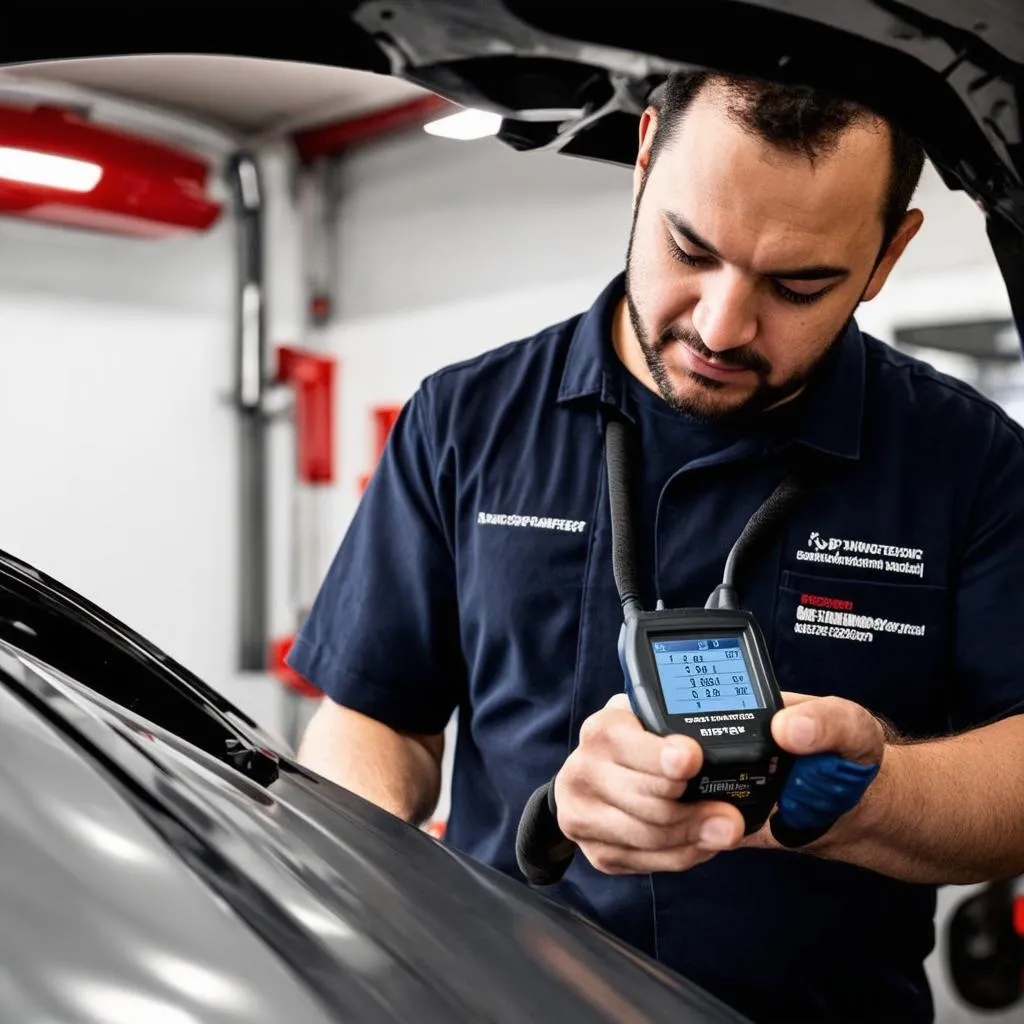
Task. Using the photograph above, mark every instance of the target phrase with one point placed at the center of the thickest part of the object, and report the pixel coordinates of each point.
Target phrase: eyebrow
(817, 272)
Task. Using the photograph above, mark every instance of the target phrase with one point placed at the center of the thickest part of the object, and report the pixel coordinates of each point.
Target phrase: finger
(832, 725)
(616, 857)
(716, 826)
(648, 798)
(615, 860)
(711, 824)
(626, 742)
(609, 779)
(619, 702)
(674, 757)
(791, 699)
(660, 786)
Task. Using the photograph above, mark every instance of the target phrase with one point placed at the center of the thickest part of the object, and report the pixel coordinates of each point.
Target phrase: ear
(911, 224)
(648, 129)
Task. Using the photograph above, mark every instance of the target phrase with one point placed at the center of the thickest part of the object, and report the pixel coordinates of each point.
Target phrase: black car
(163, 861)
(164, 864)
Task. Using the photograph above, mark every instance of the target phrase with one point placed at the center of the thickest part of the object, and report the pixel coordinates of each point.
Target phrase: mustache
(738, 358)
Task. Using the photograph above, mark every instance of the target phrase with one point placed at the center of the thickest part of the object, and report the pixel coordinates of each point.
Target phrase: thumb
(830, 725)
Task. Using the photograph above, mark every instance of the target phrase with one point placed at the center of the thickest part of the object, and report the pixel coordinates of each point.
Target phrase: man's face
(746, 263)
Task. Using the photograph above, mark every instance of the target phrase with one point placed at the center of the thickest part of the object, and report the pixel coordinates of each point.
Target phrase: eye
(798, 298)
(680, 254)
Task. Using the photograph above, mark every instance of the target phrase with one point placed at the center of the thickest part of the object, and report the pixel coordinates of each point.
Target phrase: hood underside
(575, 77)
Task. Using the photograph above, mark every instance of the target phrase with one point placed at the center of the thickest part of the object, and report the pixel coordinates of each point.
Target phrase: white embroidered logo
(881, 557)
(531, 522)
(838, 619)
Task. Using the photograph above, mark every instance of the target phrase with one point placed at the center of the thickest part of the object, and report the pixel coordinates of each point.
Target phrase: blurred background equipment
(984, 353)
(232, 165)
(986, 946)
(384, 417)
(57, 167)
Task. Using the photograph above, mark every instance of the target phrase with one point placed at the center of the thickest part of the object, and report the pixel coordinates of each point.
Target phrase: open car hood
(575, 77)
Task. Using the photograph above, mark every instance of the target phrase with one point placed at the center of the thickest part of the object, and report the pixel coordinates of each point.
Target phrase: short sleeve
(382, 636)
(988, 656)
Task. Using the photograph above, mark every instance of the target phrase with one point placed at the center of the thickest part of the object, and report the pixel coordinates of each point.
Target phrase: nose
(724, 316)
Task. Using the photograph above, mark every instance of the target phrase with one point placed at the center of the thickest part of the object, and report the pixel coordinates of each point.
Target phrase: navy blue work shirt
(477, 575)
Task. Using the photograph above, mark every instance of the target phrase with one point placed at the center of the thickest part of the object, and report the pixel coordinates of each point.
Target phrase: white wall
(117, 452)
(449, 248)
(120, 451)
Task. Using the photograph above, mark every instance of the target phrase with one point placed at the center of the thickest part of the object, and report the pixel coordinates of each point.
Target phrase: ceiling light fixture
(32, 168)
(465, 125)
(59, 167)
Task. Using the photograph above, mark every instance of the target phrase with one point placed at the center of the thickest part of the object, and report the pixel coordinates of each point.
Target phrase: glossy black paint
(102, 921)
(46, 619)
(166, 858)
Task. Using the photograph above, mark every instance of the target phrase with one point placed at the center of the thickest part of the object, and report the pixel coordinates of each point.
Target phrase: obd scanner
(706, 673)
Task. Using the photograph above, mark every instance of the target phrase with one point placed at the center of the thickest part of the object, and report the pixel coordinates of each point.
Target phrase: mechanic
(477, 573)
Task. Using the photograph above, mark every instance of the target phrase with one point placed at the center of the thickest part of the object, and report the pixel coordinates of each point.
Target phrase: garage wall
(120, 455)
(450, 248)
(118, 450)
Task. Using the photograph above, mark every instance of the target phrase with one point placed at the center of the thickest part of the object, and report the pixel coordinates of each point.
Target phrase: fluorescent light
(32, 168)
(465, 125)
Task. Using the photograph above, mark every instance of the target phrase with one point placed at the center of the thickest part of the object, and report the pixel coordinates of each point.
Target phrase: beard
(700, 402)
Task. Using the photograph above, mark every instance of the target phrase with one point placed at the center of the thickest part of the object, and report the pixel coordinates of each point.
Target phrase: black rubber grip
(542, 852)
(623, 563)
(794, 838)
(761, 524)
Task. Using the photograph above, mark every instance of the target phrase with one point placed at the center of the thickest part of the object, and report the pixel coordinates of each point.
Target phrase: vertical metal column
(250, 385)
(320, 245)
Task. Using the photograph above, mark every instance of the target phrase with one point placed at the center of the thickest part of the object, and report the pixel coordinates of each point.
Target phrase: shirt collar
(831, 408)
(592, 367)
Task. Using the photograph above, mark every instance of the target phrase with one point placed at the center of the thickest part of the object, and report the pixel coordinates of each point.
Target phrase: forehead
(740, 191)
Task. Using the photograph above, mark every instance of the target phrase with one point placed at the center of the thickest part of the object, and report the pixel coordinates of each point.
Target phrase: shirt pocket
(883, 645)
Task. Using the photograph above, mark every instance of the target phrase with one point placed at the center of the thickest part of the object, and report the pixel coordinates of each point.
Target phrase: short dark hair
(796, 119)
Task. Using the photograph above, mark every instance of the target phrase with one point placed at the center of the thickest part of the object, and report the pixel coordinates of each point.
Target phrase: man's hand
(824, 725)
(618, 798)
(913, 822)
